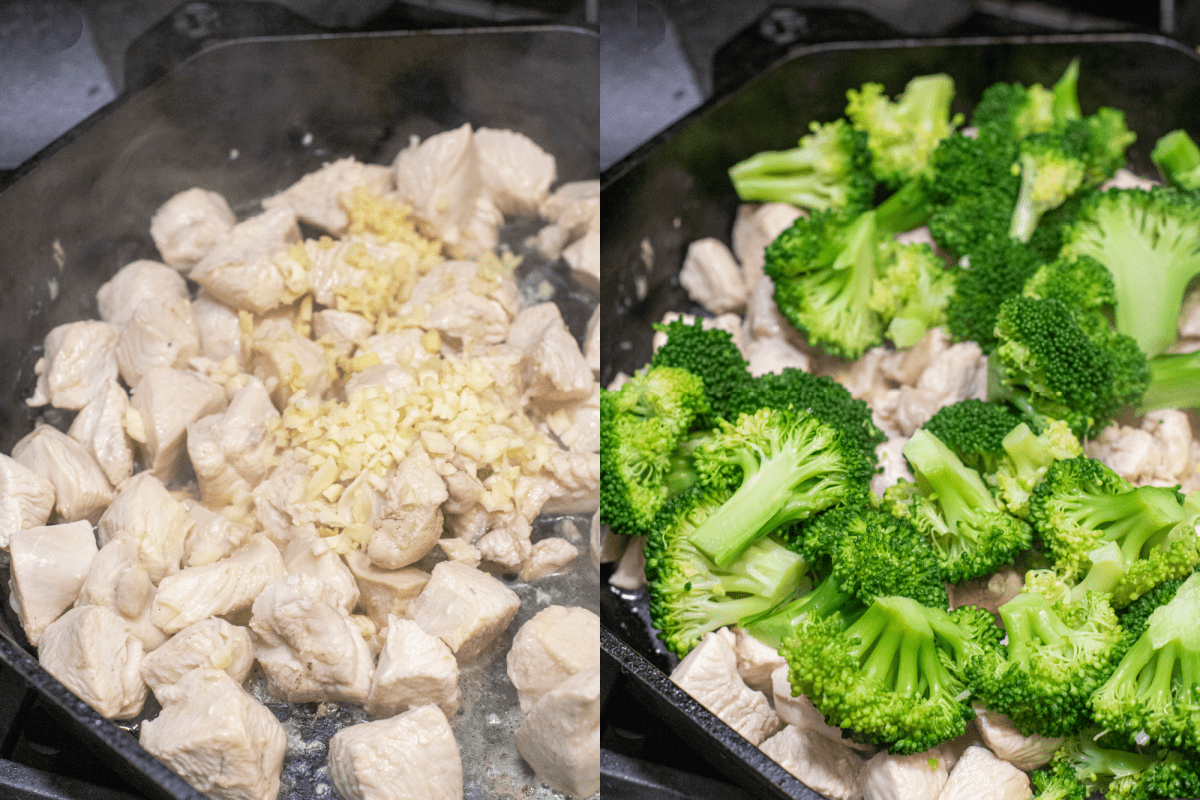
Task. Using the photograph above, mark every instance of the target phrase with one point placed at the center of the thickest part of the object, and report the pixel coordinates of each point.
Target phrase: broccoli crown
(1109, 138)
(709, 354)
(689, 594)
(1155, 688)
(1150, 242)
(1059, 651)
(974, 430)
(1178, 160)
(1052, 167)
(1135, 617)
(1082, 283)
(952, 506)
(1014, 111)
(824, 268)
(784, 465)
(1026, 458)
(641, 427)
(830, 169)
(974, 189)
(1088, 763)
(895, 676)
(911, 293)
(996, 270)
(903, 133)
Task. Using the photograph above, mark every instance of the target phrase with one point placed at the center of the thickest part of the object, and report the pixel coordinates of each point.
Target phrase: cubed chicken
(223, 587)
(333, 267)
(709, 674)
(167, 401)
(383, 592)
(315, 198)
(1002, 738)
(313, 556)
(773, 356)
(757, 662)
(799, 711)
(49, 566)
(412, 756)
(287, 363)
(916, 777)
(209, 644)
(78, 359)
(344, 329)
(754, 229)
(232, 451)
(576, 424)
(824, 765)
(81, 490)
(711, 276)
(219, 327)
(414, 669)
(560, 737)
(160, 334)
(547, 556)
(93, 652)
(515, 171)
(583, 257)
(463, 302)
(118, 581)
(158, 523)
(411, 518)
(136, 282)
(213, 537)
(572, 206)
(553, 645)
(461, 551)
(248, 268)
(553, 367)
(26, 499)
(220, 739)
(186, 227)
(980, 775)
(405, 347)
(100, 427)
(576, 488)
(467, 608)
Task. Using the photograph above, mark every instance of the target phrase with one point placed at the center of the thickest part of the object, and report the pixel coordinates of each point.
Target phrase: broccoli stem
(778, 162)
(1065, 103)
(1177, 158)
(1174, 382)
(1133, 519)
(1028, 619)
(1109, 568)
(774, 625)
(909, 207)
(798, 190)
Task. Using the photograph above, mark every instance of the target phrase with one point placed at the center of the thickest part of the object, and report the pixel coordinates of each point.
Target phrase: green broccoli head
(1109, 138)
(1082, 283)
(1027, 456)
(830, 169)
(1178, 160)
(974, 189)
(1014, 111)
(709, 354)
(974, 430)
(1052, 167)
(690, 595)
(1089, 763)
(1136, 615)
(911, 293)
(996, 270)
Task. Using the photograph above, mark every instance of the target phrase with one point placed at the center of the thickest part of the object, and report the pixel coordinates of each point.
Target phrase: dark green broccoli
(1135, 617)
(708, 353)
(642, 426)
(1088, 763)
(830, 169)
(689, 594)
(1178, 160)
(1016, 111)
(1026, 458)
(996, 270)
(1082, 283)
(911, 293)
(975, 431)
(785, 465)
(973, 188)
(1059, 651)
(952, 506)
(895, 676)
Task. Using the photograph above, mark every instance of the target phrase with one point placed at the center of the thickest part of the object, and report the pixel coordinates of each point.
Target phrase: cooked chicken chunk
(160, 334)
(1158, 453)
(81, 490)
(414, 669)
(100, 427)
(26, 498)
(576, 424)
(217, 589)
(560, 738)
(411, 520)
(219, 738)
(187, 226)
(465, 607)
(158, 523)
(95, 655)
(553, 366)
(754, 229)
(822, 764)
(756, 662)
(315, 198)
(709, 674)
(572, 209)
(167, 400)
(548, 556)
(312, 556)
(344, 329)
(210, 644)
(712, 277)
(576, 488)
(800, 712)
(553, 645)
(917, 777)
(583, 257)
(135, 283)
(49, 565)
(515, 171)
(248, 268)
(463, 303)
(383, 592)
(1002, 738)
(220, 330)
(461, 551)
(979, 775)
(286, 363)
(308, 646)
(774, 355)
(79, 358)
(213, 537)
(118, 581)
(232, 451)
(412, 756)
(404, 347)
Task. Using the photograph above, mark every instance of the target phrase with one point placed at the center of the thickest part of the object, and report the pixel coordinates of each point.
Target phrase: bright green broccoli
(1136, 616)
(1109, 138)
(1059, 651)
(1174, 382)
(689, 594)
(911, 293)
(1052, 167)
(1016, 111)
(1026, 458)
(974, 430)
(642, 426)
(1088, 763)
(996, 270)
(903, 133)
(895, 676)
(784, 464)
(973, 188)
(1178, 160)
(830, 169)
(952, 506)
(1082, 283)
(708, 353)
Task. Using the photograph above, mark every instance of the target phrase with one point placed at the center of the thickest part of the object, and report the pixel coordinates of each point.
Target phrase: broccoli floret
(1082, 283)
(1174, 382)
(911, 293)
(785, 465)
(831, 169)
(1109, 138)
(1155, 688)
(903, 133)
(1026, 458)
(710, 354)
(996, 270)
(689, 594)
(1052, 167)
(951, 505)
(1178, 160)
(1150, 242)
(974, 189)
(974, 430)
(1135, 617)
(642, 426)
(1059, 651)
(1088, 763)
(1014, 111)
(895, 676)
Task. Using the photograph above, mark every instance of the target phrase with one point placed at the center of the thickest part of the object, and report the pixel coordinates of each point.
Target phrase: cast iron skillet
(247, 118)
(675, 189)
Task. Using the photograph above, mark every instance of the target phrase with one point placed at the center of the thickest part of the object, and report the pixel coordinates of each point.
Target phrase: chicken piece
(891, 458)
(412, 756)
(1159, 453)
(248, 268)
(774, 355)
(220, 739)
(990, 592)
(957, 373)
(414, 669)
(730, 323)
(799, 711)
(315, 198)
(575, 424)
(1173, 431)
(979, 775)
(560, 737)
(276, 499)
(81, 490)
(515, 171)
(553, 367)
(709, 674)
(583, 257)
(213, 536)
(308, 646)
(220, 330)
(118, 581)
(79, 359)
(507, 541)
(186, 227)
(384, 592)
(1002, 738)
(160, 334)
(757, 662)
(830, 768)
(711, 276)
(556, 643)
(404, 347)
(26, 499)
(591, 342)
(135, 283)
(287, 363)
(461, 551)
(1124, 179)
(93, 652)
(904, 366)
(335, 266)
(920, 776)
(411, 520)
(630, 573)
(158, 523)
(463, 302)
(576, 487)
(753, 231)
(209, 644)
(548, 556)
(100, 427)
(763, 319)
(231, 451)
(48, 567)
(167, 401)
(218, 589)
(572, 206)
(465, 607)
(345, 330)
(313, 556)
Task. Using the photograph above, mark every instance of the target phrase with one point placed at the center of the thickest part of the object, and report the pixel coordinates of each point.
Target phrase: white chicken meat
(118, 581)
(516, 173)
(221, 588)
(464, 607)
(560, 737)
(412, 756)
(167, 401)
(186, 227)
(208, 644)
(411, 517)
(384, 592)
(78, 359)
(553, 366)
(313, 556)
(414, 669)
(463, 303)
(100, 427)
(231, 451)
(823, 765)
(709, 674)
(26, 499)
(711, 276)
(49, 566)
(93, 652)
(248, 269)
(314, 199)
(81, 489)
(157, 522)
(553, 645)
(135, 283)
